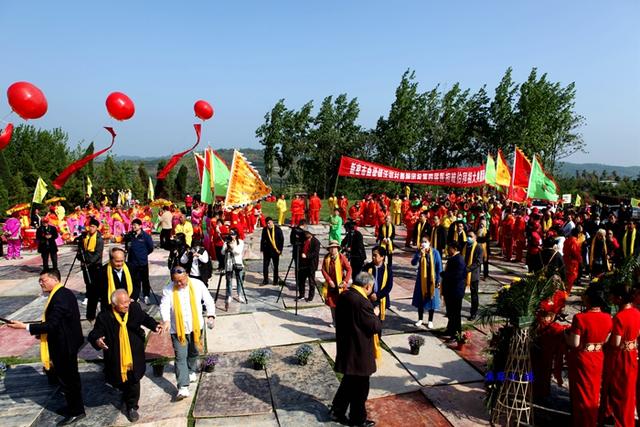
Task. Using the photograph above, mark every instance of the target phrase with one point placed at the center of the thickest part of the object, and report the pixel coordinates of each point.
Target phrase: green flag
(635, 202)
(490, 171)
(220, 176)
(578, 201)
(206, 190)
(540, 185)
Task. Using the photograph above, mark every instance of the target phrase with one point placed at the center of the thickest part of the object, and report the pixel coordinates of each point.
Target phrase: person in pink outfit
(13, 235)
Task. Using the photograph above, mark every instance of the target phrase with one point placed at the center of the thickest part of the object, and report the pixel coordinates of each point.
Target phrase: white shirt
(195, 263)
(201, 293)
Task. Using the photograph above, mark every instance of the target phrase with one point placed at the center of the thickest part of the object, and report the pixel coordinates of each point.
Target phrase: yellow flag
(150, 190)
(635, 202)
(245, 184)
(578, 201)
(40, 191)
(503, 176)
(89, 187)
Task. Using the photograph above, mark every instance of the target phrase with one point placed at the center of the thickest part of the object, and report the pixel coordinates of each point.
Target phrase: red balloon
(203, 110)
(5, 136)
(27, 100)
(120, 106)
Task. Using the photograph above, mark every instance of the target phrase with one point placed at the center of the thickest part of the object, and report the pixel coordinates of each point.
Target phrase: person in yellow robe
(281, 207)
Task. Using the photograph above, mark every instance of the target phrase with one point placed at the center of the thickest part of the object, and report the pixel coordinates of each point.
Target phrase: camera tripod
(238, 275)
(296, 247)
(83, 264)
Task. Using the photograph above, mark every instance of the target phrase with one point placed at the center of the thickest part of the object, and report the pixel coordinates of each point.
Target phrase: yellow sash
(272, 238)
(195, 318)
(44, 344)
(592, 250)
(338, 268)
(464, 254)
(111, 286)
(632, 243)
(423, 276)
(126, 359)
(381, 287)
(386, 232)
(90, 242)
(376, 339)
(434, 237)
(419, 235)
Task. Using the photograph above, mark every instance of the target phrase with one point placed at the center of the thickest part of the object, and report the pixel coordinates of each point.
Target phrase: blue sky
(244, 56)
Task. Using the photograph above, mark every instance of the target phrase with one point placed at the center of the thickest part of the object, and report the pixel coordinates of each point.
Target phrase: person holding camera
(309, 259)
(139, 245)
(90, 247)
(198, 262)
(297, 238)
(46, 236)
(233, 251)
(177, 248)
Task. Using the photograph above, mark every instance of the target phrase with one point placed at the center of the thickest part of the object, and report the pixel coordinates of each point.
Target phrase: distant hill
(570, 169)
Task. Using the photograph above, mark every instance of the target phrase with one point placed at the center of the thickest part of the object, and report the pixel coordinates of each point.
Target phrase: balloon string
(4, 119)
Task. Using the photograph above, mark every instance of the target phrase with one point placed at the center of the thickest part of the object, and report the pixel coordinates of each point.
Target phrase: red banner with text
(456, 177)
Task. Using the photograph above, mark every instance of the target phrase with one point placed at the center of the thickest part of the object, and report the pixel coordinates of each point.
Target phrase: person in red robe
(343, 205)
(406, 205)
(315, 204)
(297, 210)
(572, 254)
(355, 213)
(410, 220)
(586, 339)
(519, 237)
(369, 212)
(496, 215)
(621, 359)
(506, 234)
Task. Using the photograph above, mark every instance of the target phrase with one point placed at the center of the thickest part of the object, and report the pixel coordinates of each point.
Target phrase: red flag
(521, 169)
(176, 157)
(199, 165)
(76, 166)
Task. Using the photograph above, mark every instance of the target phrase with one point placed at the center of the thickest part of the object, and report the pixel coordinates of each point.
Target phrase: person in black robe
(271, 250)
(356, 325)
(105, 336)
(453, 286)
(309, 259)
(353, 247)
(64, 338)
(117, 263)
(46, 236)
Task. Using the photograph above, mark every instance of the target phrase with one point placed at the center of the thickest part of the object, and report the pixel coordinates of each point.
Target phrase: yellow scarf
(419, 235)
(386, 232)
(423, 275)
(604, 255)
(632, 243)
(195, 318)
(126, 359)
(470, 260)
(272, 238)
(44, 344)
(90, 242)
(111, 286)
(547, 224)
(338, 268)
(383, 301)
(376, 339)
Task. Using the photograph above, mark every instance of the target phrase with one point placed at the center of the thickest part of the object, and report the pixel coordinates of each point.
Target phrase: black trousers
(454, 314)
(45, 259)
(390, 259)
(65, 369)
(140, 279)
(266, 260)
(165, 236)
(356, 265)
(352, 393)
(305, 273)
(219, 257)
(474, 297)
(130, 393)
(91, 275)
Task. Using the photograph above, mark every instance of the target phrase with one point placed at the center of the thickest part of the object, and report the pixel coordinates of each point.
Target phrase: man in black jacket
(309, 258)
(297, 238)
(139, 245)
(105, 336)
(120, 274)
(46, 236)
(353, 247)
(453, 285)
(356, 326)
(271, 245)
(61, 331)
(90, 250)
(438, 235)
(386, 234)
(473, 256)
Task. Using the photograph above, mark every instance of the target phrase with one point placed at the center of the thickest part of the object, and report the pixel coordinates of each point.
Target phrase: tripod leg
(69, 273)
(240, 283)
(284, 282)
(218, 290)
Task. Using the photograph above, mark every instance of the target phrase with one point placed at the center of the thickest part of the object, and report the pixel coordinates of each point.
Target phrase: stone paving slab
(262, 420)
(402, 410)
(31, 312)
(159, 345)
(24, 391)
(284, 327)
(390, 378)
(404, 309)
(233, 389)
(234, 333)
(461, 404)
(436, 364)
(15, 342)
(24, 287)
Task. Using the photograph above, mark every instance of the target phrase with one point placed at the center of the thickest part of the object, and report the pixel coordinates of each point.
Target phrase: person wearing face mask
(421, 229)
(473, 255)
(426, 292)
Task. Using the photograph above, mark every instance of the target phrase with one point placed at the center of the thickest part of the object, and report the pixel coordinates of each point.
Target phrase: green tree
(502, 112)
(271, 135)
(180, 183)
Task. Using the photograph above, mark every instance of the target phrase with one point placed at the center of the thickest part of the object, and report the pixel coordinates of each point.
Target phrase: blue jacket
(140, 247)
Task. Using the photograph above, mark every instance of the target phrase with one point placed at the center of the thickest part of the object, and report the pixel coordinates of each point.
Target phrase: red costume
(519, 237)
(506, 231)
(355, 214)
(329, 274)
(572, 259)
(297, 211)
(410, 220)
(619, 391)
(343, 204)
(586, 364)
(314, 209)
(496, 214)
(371, 209)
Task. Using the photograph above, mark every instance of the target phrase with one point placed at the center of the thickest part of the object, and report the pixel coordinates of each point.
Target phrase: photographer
(139, 245)
(297, 239)
(89, 254)
(232, 251)
(177, 248)
(353, 247)
(199, 260)
(46, 236)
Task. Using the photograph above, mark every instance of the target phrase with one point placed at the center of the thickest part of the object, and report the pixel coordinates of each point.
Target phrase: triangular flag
(221, 175)
(206, 183)
(199, 165)
(521, 169)
(245, 184)
(150, 190)
(503, 176)
(578, 201)
(40, 191)
(89, 187)
(635, 202)
(540, 185)
(490, 171)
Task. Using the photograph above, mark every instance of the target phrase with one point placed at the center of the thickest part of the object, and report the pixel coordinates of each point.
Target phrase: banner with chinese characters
(456, 177)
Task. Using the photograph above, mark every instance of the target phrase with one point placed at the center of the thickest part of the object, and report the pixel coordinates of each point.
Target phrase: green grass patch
(16, 360)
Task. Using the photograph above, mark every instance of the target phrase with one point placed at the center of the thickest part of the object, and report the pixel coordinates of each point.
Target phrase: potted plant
(302, 354)
(158, 365)
(462, 338)
(209, 363)
(259, 358)
(415, 342)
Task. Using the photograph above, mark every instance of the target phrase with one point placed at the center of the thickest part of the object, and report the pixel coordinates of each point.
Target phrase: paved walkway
(440, 386)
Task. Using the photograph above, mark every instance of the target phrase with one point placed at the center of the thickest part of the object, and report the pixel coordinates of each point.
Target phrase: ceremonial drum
(29, 239)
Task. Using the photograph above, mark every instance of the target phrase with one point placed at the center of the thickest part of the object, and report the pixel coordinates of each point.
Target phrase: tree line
(433, 129)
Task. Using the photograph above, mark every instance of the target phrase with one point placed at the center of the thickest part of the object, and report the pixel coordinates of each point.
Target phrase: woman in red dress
(572, 254)
(586, 338)
(621, 359)
(336, 271)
